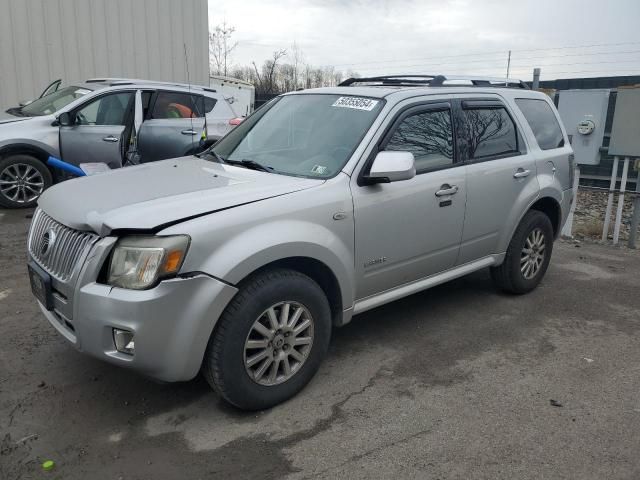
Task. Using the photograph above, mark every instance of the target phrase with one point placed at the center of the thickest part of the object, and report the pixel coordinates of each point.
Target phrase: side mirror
(392, 167)
(66, 120)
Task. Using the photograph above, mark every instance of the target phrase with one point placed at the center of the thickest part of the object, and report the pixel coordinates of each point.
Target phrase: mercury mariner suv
(321, 205)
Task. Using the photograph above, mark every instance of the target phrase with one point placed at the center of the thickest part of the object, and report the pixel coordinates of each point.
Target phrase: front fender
(261, 245)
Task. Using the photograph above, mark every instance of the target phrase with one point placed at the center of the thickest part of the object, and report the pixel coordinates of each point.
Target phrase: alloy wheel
(533, 253)
(278, 343)
(21, 183)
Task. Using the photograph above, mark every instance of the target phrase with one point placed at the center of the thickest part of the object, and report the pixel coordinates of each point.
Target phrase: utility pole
(536, 79)
(506, 83)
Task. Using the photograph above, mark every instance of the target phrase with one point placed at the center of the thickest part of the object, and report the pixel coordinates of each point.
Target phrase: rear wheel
(23, 178)
(528, 255)
(270, 340)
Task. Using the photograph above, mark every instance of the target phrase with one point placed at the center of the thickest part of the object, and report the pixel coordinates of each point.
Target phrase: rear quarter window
(542, 121)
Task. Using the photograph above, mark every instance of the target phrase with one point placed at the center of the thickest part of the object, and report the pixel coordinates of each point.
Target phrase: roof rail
(136, 81)
(435, 81)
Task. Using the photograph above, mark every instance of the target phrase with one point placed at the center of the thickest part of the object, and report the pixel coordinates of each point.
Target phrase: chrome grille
(56, 247)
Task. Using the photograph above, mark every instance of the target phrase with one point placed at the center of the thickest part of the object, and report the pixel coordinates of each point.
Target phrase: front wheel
(23, 178)
(528, 255)
(270, 340)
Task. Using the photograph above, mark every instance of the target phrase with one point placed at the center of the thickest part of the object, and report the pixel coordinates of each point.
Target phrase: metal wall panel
(42, 40)
(625, 131)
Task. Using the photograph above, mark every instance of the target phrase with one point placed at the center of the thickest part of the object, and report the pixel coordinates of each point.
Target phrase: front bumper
(171, 323)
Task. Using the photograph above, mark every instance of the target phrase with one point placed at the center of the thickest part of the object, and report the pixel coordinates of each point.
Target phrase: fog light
(124, 341)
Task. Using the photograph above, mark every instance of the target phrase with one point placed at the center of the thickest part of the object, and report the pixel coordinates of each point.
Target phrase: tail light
(236, 121)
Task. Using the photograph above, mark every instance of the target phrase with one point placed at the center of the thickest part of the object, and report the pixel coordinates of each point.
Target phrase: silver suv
(103, 120)
(321, 205)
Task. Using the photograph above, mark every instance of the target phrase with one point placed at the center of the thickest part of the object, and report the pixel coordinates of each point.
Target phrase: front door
(411, 229)
(173, 127)
(97, 132)
(501, 177)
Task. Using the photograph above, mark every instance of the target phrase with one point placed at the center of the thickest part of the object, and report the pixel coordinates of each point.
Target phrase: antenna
(506, 83)
(186, 64)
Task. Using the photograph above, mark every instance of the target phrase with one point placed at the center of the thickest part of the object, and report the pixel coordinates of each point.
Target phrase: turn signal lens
(174, 258)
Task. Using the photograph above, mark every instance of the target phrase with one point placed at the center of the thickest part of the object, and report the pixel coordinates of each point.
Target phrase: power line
(498, 52)
(502, 60)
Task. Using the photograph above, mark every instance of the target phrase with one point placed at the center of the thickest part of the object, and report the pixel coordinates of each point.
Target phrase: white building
(43, 40)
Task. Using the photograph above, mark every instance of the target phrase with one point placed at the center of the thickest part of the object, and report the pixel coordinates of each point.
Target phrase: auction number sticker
(356, 103)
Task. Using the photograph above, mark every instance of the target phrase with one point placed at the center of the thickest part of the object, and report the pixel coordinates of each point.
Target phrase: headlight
(138, 262)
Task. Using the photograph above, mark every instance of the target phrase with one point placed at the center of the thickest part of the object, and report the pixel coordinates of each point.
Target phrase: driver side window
(107, 110)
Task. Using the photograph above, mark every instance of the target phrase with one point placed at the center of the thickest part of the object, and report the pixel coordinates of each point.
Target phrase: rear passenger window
(542, 121)
(429, 136)
(487, 132)
(177, 105)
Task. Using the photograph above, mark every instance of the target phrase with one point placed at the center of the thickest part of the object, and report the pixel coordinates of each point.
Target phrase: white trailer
(239, 94)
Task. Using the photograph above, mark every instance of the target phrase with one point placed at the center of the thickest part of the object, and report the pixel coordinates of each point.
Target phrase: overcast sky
(376, 37)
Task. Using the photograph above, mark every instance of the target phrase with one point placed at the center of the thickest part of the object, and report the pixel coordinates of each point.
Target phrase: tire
(513, 275)
(33, 176)
(226, 362)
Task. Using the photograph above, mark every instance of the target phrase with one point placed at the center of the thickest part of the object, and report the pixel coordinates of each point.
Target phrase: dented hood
(152, 195)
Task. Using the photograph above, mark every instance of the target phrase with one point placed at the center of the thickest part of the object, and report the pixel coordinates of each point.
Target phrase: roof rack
(435, 81)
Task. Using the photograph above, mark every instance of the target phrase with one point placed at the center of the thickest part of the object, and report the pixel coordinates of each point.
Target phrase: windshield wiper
(252, 164)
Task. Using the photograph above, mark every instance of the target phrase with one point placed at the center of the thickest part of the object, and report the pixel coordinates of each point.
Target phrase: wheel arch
(27, 149)
(551, 208)
(315, 269)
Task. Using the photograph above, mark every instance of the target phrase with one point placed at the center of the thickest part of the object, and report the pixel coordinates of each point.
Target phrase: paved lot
(455, 382)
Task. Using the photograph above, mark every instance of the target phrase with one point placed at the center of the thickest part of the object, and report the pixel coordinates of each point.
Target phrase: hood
(8, 118)
(152, 195)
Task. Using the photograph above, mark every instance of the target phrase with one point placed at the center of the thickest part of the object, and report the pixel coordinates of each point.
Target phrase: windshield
(309, 135)
(54, 101)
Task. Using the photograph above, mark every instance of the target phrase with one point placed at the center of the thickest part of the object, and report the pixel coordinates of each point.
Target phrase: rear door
(172, 127)
(98, 131)
(500, 171)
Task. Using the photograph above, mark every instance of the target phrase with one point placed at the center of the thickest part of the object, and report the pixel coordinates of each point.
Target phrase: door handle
(447, 190)
(189, 132)
(520, 173)
(110, 138)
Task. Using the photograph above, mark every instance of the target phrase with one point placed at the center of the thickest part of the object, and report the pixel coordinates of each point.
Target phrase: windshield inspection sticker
(356, 103)
(319, 170)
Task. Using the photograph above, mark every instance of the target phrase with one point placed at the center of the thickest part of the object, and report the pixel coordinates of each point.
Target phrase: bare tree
(482, 126)
(296, 64)
(266, 79)
(221, 47)
(425, 135)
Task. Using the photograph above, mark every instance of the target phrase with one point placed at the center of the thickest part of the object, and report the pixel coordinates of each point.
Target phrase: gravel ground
(456, 382)
(588, 220)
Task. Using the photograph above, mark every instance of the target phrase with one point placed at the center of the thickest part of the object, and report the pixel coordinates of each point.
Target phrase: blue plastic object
(67, 167)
